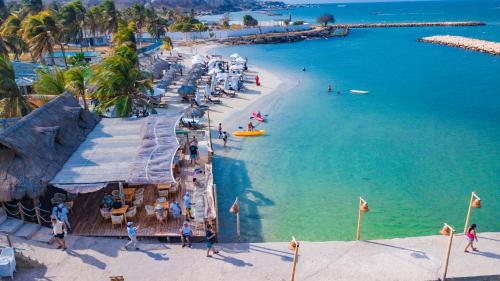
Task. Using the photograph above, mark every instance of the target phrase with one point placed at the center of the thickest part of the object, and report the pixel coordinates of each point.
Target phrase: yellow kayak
(249, 133)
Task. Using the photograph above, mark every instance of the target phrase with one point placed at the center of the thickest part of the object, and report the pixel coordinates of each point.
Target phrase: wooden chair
(138, 201)
(117, 220)
(175, 186)
(106, 215)
(132, 212)
(139, 191)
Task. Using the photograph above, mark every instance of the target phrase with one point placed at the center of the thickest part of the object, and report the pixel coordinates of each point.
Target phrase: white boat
(359, 92)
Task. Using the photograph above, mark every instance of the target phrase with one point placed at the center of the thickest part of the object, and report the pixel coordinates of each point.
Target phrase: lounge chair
(7, 263)
(117, 220)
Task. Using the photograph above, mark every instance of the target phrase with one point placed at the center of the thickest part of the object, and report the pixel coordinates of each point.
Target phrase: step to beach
(43, 235)
(27, 230)
(11, 225)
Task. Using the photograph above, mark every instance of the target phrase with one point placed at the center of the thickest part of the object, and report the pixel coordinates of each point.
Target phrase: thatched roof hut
(37, 146)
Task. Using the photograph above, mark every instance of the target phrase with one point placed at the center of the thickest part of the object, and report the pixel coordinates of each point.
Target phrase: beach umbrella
(235, 55)
(194, 112)
(186, 90)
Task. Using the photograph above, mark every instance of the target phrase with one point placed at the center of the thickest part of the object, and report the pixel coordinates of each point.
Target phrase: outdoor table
(119, 211)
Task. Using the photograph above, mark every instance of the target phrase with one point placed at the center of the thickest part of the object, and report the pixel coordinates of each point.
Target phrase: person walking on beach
(193, 153)
(210, 237)
(132, 234)
(187, 204)
(220, 130)
(471, 236)
(257, 80)
(186, 234)
(250, 126)
(61, 212)
(58, 230)
(224, 138)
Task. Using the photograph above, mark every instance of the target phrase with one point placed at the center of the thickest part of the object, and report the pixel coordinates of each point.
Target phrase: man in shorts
(58, 229)
(186, 234)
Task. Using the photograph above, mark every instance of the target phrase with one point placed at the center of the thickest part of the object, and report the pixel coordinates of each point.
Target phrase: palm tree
(136, 13)
(120, 84)
(110, 16)
(93, 20)
(167, 44)
(125, 36)
(31, 7)
(10, 31)
(42, 33)
(50, 82)
(72, 17)
(156, 25)
(77, 81)
(3, 48)
(12, 102)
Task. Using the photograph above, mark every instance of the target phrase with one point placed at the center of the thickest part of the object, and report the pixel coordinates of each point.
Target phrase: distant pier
(411, 24)
(464, 43)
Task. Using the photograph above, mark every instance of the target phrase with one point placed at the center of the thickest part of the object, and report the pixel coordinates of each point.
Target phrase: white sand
(235, 112)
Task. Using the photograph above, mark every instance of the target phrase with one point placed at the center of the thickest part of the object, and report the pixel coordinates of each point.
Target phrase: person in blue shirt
(176, 210)
(210, 239)
(186, 233)
(61, 213)
(132, 234)
(187, 206)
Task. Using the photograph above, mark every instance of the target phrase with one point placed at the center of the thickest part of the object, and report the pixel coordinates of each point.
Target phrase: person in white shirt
(58, 229)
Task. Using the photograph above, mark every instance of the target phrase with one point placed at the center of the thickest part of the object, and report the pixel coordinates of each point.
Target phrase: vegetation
(12, 102)
(325, 19)
(187, 24)
(167, 44)
(50, 82)
(248, 20)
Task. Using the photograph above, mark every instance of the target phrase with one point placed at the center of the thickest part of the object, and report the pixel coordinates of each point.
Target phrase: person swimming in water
(303, 69)
(329, 88)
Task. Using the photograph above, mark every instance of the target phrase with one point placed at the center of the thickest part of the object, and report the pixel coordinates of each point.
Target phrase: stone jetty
(464, 43)
(411, 24)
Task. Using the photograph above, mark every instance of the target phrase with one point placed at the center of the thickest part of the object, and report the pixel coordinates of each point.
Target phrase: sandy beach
(235, 112)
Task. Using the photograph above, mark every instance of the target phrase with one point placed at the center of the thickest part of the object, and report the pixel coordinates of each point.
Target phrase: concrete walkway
(417, 258)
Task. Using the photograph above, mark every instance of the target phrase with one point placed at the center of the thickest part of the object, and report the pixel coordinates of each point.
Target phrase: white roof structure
(137, 151)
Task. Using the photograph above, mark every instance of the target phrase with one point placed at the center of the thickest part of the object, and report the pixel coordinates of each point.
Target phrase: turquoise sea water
(425, 137)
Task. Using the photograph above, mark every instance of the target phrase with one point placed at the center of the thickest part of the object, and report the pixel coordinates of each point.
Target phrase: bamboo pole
(295, 255)
(358, 232)
(238, 225)
(469, 211)
(37, 211)
(216, 210)
(20, 207)
(447, 257)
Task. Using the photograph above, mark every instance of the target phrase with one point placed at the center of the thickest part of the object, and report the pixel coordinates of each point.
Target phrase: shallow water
(426, 135)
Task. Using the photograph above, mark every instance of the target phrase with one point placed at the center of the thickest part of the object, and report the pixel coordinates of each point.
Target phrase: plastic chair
(117, 220)
(132, 211)
(105, 214)
(150, 211)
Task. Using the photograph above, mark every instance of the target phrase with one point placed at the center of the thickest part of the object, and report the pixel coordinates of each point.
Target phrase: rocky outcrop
(274, 38)
(464, 43)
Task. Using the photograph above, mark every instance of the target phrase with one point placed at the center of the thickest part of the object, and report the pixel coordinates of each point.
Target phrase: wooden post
(358, 231)
(447, 257)
(238, 225)
(469, 211)
(20, 207)
(295, 255)
(216, 210)
(37, 211)
(8, 240)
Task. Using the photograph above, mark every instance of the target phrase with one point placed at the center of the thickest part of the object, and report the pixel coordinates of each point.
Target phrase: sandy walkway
(417, 258)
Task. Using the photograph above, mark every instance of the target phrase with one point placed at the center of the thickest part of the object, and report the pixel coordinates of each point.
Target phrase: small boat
(255, 116)
(249, 133)
(359, 92)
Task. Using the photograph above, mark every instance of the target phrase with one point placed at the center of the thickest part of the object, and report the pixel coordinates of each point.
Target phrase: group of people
(222, 134)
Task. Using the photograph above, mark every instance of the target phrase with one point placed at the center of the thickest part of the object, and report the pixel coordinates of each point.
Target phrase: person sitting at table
(117, 203)
(107, 200)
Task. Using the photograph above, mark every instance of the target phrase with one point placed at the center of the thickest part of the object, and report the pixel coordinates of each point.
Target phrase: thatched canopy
(35, 148)
(158, 67)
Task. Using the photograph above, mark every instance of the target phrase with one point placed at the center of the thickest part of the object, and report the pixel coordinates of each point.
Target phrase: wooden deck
(86, 219)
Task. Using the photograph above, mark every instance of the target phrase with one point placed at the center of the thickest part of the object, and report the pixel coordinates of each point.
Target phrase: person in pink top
(471, 236)
(257, 80)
